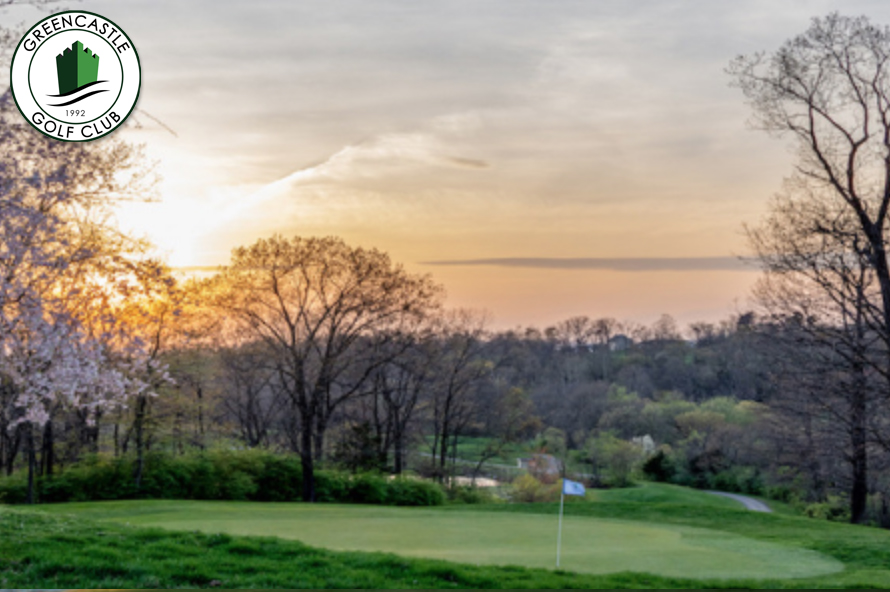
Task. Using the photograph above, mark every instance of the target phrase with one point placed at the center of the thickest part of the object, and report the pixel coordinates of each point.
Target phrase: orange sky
(467, 130)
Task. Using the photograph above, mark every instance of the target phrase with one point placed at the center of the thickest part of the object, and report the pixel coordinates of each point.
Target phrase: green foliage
(526, 488)
(551, 441)
(280, 480)
(467, 494)
(413, 492)
(613, 459)
(331, 486)
(13, 490)
(782, 493)
(739, 480)
(238, 475)
(358, 450)
(834, 508)
(368, 489)
(660, 467)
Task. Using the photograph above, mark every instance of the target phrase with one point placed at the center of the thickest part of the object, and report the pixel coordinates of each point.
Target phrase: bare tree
(823, 245)
(322, 310)
(460, 367)
(250, 394)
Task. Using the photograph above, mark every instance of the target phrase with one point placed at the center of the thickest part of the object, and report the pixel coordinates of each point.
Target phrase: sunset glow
(466, 131)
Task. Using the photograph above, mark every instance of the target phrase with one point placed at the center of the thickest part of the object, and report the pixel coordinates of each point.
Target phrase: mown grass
(590, 545)
(660, 493)
(59, 551)
(864, 551)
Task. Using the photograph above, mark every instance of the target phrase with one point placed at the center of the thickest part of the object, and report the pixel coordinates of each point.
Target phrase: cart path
(749, 503)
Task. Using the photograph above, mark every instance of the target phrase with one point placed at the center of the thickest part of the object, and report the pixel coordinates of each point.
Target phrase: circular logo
(75, 76)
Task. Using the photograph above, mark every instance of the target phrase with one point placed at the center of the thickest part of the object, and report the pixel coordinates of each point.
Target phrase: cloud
(617, 264)
(470, 163)
(391, 158)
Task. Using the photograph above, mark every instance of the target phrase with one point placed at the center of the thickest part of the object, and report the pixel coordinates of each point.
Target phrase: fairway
(590, 545)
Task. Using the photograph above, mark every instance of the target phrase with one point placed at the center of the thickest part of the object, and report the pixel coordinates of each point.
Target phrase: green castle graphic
(77, 66)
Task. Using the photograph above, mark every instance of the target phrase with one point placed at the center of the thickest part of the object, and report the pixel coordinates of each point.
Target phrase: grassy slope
(864, 551)
(57, 551)
(590, 545)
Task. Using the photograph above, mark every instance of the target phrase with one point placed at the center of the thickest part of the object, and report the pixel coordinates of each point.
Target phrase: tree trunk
(46, 457)
(139, 425)
(13, 443)
(859, 458)
(443, 449)
(117, 441)
(318, 445)
(307, 460)
(200, 395)
(94, 434)
(397, 448)
(32, 462)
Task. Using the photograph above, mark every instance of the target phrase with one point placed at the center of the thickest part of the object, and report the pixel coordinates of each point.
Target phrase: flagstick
(562, 497)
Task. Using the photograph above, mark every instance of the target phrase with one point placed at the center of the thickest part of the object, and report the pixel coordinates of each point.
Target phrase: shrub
(782, 493)
(413, 492)
(253, 475)
(660, 467)
(833, 509)
(528, 489)
(331, 486)
(280, 480)
(466, 494)
(368, 489)
(613, 459)
(738, 480)
(13, 490)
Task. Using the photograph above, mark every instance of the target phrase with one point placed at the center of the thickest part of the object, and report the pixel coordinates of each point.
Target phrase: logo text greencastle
(75, 21)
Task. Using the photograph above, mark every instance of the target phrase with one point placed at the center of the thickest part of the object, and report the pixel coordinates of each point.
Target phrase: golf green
(494, 538)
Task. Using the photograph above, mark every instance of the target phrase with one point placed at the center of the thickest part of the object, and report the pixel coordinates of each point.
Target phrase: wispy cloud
(618, 264)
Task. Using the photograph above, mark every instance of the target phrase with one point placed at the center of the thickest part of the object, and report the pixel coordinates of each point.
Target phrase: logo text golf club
(75, 76)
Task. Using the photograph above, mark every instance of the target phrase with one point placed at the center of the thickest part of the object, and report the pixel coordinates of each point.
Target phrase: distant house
(645, 443)
(620, 342)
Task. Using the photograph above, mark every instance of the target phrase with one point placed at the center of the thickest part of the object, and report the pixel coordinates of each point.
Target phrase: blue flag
(572, 487)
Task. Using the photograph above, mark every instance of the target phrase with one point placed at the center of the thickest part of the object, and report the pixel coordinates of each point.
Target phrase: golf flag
(569, 487)
(572, 487)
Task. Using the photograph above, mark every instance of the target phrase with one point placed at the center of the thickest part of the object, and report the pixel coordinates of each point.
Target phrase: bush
(280, 480)
(252, 475)
(782, 493)
(738, 480)
(331, 486)
(413, 492)
(95, 478)
(660, 467)
(13, 490)
(466, 494)
(613, 459)
(528, 489)
(368, 489)
(833, 509)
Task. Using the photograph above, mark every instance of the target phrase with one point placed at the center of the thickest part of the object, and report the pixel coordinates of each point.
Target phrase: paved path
(749, 503)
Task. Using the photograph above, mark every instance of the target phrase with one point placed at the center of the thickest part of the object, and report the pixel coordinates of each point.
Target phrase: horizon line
(610, 263)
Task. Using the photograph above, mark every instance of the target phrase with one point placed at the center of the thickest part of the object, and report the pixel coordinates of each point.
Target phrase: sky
(541, 159)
